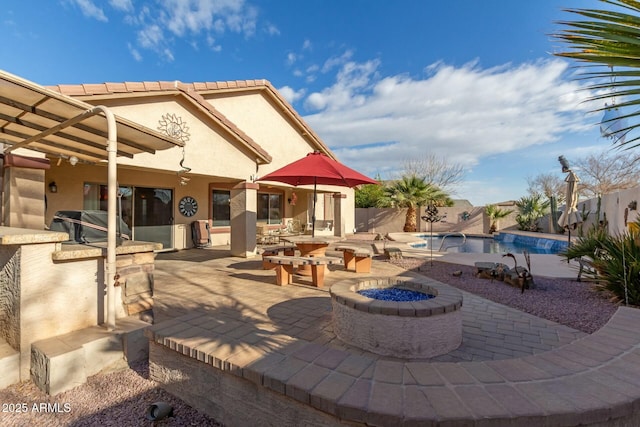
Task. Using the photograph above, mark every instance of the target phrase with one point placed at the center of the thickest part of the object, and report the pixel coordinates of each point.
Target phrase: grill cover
(87, 226)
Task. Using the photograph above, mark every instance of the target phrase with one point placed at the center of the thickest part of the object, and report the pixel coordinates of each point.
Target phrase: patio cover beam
(64, 135)
(54, 117)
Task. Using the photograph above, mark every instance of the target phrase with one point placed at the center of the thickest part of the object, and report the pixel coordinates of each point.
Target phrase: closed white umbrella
(570, 218)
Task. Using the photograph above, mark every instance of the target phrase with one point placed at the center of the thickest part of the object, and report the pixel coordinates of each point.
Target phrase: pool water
(502, 243)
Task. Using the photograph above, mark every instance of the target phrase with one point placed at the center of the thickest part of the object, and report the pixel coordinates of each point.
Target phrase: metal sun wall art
(174, 127)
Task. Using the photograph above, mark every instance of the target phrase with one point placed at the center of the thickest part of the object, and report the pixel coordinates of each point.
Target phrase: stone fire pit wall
(411, 329)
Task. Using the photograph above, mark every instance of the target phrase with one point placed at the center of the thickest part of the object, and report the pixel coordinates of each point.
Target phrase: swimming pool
(499, 244)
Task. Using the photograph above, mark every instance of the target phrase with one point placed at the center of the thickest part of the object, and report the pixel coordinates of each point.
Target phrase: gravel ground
(568, 302)
(118, 399)
(122, 398)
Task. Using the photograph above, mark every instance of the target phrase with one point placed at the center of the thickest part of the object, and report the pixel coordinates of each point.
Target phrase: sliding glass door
(147, 211)
(153, 215)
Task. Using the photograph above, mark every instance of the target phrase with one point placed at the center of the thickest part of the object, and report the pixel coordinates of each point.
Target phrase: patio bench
(276, 250)
(356, 258)
(284, 266)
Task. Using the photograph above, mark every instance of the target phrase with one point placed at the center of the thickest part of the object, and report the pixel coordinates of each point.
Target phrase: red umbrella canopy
(318, 168)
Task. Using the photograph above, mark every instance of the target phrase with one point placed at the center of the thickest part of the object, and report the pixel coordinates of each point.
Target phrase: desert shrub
(618, 268)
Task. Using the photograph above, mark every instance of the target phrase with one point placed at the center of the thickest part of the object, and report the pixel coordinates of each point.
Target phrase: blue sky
(381, 82)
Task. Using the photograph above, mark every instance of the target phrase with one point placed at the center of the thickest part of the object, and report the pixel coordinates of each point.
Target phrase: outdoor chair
(293, 227)
(264, 236)
(587, 266)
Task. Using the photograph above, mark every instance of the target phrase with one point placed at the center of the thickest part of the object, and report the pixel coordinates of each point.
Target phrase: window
(221, 209)
(270, 208)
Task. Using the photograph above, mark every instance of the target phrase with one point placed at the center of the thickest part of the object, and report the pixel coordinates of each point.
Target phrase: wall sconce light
(73, 160)
(53, 187)
(633, 205)
(293, 199)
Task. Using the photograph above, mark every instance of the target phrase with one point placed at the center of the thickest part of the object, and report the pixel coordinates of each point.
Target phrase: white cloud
(160, 27)
(90, 10)
(272, 30)
(290, 94)
(134, 52)
(150, 37)
(196, 16)
(336, 61)
(464, 114)
(123, 5)
(211, 42)
(168, 55)
(352, 82)
(291, 58)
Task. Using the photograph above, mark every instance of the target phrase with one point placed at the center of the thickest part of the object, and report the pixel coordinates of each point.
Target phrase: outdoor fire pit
(414, 328)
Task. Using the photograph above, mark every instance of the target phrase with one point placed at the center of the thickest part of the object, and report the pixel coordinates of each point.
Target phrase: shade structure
(570, 218)
(317, 168)
(40, 119)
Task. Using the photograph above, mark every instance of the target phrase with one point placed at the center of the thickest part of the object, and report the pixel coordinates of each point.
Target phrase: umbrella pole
(313, 214)
(569, 241)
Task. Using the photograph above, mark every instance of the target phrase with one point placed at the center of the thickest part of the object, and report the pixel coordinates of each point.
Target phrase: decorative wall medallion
(174, 127)
(188, 206)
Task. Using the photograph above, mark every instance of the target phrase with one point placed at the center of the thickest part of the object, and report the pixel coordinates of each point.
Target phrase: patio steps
(64, 362)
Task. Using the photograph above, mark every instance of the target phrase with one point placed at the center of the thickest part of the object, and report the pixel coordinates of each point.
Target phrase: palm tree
(531, 208)
(412, 192)
(495, 213)
(610, 39)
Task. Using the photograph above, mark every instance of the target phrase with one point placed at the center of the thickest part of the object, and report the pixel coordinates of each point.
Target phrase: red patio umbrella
(317, 168)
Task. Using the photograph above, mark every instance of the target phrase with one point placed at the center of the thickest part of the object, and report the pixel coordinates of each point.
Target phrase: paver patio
(209, 280)
(230, 342)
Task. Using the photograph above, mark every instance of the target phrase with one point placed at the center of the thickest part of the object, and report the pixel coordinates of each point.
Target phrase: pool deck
(541, 265)
(273, 348)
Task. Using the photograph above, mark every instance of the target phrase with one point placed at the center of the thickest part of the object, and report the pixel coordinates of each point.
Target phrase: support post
(338, 218)
(243, 219)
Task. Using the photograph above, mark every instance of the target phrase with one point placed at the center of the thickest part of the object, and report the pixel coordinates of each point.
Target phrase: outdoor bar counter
(73, 251)
(51, 288)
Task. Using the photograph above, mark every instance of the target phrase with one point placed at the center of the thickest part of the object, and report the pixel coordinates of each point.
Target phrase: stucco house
(171, 154)
(233, 133)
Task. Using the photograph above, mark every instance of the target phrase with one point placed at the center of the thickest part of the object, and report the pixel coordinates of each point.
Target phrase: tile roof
(194, 92)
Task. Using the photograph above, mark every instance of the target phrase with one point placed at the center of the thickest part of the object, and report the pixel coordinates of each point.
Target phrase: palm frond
(609, 38)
